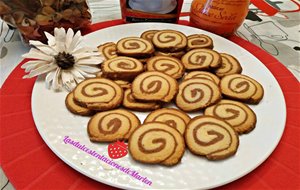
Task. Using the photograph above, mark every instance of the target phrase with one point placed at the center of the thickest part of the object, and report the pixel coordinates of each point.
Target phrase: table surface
(279, 35)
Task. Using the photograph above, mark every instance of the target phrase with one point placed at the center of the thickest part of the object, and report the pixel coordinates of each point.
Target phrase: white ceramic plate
(54, 122)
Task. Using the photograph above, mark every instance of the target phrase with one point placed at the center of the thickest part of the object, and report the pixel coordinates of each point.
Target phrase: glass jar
(222, 17)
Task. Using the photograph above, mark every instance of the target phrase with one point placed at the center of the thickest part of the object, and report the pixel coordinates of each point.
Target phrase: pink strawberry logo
(117, 150)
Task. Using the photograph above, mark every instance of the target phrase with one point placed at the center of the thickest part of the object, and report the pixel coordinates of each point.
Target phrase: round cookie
(168, 65)
(201, 59)
(238, 115)
(169, 41)
(108, 50)
(75, 108)
(241, 87)
(148, 35)
(135, 47)
(156, 143)
(211, 137)
(110, 126)
(122, 68)
(170, 116)
(133, 104)
(98, 94)
(230, 65)
(154, 86)
(196, 41)
(196, 94)
(202, 75)
(177, 55)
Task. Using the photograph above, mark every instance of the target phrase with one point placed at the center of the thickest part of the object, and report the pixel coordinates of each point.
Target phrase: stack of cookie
(149, 72)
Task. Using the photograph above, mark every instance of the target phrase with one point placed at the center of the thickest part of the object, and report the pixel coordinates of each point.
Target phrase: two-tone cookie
(122, 68)
(135, 47)
(76, 108)
(154, 86)
(241, 87)
(230, 65)
(98, 94)
(196, 41)
(131, 103)
(169, 41)
(196, 94)
(238, 115)
(168, 65)
(156, 143)
(177, 55)
(148, 35)
(201, 59)
(211, 137)
(202, 75)
(108, 50)
(110, 126)
(170, 116)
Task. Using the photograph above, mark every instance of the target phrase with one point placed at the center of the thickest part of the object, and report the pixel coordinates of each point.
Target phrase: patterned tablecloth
(279, 35)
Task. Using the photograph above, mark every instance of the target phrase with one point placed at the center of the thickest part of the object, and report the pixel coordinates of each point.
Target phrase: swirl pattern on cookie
(196, 94)
(154, 86)
(177, 55)
(242, 87)
(211, 137)
(131, 103)
(238, 115)
(112, 125)
(135, 47)
(122, 68)
(170, 116)
(168, 65)
(148, 35)
(199, 41)
(201, 59)
(98, 94)
(76, 108)
(156, 143)
(108, 50)
(202, 75)
(230, 65)
(169, 41)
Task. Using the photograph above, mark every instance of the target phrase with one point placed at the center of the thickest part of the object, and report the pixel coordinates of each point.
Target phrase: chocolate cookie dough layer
(202, 75)
(112, 125)
(148, 35)
(122, 68)
(98, 94)
(196, 94)
(241, 87)
(170, 116)
(108, 50)
(154, 86)
(196, 41)
(211, 137)
(169, 41)
(156, 143)
(168, 65)
(238, 115)
(135, 47)
(230, 65)
(131, 103)
(75, 108)
(178, 54)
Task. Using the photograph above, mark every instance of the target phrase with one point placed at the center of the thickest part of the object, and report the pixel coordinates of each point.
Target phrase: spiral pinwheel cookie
(112, 125)
(199, 41)
(98, 94)
(169, 41)
(202, 75)
(156, 143)
(238, 115)
(123, 84)
(122, 68)
(230, 65)
(196, 94)
(108, 50)
(211, 137)
(154, 86)
(131, 103)
(135, 47)
(76, 108)
(148, 35)
(170, 116)
(168, 65)
(242, 87)
(201, 59)
(178, 54)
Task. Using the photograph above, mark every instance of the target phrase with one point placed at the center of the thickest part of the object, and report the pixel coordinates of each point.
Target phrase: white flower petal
(75, 42)
(32, 63)
(68, 80)
(69, 38)
(49, 78)
(51, 39)
(43, 47)
(90, 61)
(82, 55)
(41, 70)
(60, 39)
(36, 54)
(77, 75)
(86, 75)
(32, 67)
(88, 69)
(56, 82)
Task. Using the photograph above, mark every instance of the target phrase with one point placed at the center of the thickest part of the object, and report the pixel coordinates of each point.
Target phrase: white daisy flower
(63, 60)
